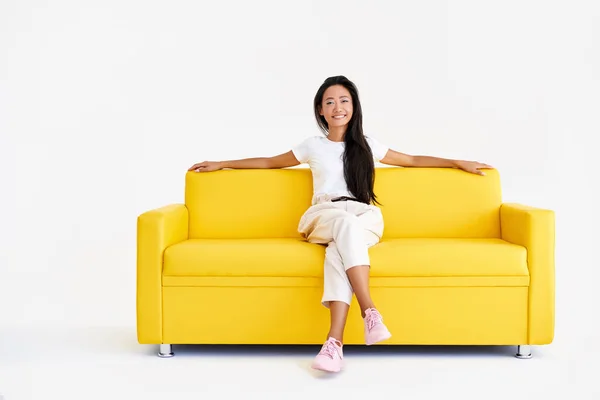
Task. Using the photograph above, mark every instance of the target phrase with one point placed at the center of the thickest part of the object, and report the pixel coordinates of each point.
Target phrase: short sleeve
(302, 150)
(379, 149)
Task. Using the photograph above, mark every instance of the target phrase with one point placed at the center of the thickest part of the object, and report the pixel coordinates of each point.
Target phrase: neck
(336, 133)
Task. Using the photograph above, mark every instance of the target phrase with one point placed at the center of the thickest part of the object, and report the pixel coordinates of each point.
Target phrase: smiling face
(336, 106)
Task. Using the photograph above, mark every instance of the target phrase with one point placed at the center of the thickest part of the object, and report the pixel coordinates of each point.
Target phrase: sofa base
(294, 315)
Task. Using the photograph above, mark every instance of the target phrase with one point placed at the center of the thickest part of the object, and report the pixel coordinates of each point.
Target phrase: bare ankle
(364, 309)
(339, 339)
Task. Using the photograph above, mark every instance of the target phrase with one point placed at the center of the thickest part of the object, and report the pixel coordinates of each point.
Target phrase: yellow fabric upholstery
(292, 315)
(434, 203)
(256, 203)
(415, 203)
(157, 230)
(533, 228)
(396, 262)
(455, 265)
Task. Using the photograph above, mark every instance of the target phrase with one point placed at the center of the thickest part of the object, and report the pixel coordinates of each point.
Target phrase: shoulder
(373, 141)
(311, 141)
(316, 139)
(306, 148)
(378, 148)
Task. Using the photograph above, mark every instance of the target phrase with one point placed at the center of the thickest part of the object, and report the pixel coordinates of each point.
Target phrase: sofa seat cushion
(394, 263)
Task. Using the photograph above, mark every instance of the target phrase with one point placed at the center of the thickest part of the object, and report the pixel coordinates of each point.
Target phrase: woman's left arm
(406, 160)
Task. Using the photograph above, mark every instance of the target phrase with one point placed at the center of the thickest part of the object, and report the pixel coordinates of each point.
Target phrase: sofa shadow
(349, 350)
(122, 340)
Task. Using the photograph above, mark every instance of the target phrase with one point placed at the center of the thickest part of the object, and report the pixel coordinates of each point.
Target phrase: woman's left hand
(472, 166)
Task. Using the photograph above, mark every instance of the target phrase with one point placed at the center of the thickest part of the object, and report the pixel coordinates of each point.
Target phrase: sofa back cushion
(439, 203)
(247, 203)
(416, 202)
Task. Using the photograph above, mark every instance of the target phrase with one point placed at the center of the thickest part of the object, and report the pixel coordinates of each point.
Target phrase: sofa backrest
(416, 202)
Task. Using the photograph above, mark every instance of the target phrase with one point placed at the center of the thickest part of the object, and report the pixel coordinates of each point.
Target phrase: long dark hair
(359, 167)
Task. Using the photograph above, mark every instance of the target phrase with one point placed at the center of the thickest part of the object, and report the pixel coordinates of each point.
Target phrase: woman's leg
(331, 356)
(337, 294)
(338, 311)
(359, 279)
(375, 329)
(352, 242)
(337, 291)
(357, 227)
(340, 284)
(358, 267)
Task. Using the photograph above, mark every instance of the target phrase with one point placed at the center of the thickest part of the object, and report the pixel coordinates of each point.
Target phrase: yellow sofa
(456, 265)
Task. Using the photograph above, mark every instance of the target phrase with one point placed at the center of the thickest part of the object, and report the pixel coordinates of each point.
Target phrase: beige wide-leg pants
(348, 228)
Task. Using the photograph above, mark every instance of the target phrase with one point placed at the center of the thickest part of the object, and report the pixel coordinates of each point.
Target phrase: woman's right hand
(206, 166)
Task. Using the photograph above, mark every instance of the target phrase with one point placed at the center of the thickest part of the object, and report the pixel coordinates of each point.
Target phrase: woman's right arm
(281, 161)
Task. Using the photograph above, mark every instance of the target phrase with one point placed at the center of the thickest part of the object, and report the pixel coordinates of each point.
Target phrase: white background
(105, 104)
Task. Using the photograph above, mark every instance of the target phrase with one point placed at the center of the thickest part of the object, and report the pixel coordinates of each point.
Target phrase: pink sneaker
(375, 330)
(330, 357)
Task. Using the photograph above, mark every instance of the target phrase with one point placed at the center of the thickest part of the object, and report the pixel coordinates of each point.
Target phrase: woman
(342, 214)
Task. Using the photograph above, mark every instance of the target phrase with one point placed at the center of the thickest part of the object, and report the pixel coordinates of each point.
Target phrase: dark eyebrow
(340, 97)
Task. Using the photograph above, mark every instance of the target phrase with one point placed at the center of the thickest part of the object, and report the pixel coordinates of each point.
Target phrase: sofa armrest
(534, 228)
(156, 230)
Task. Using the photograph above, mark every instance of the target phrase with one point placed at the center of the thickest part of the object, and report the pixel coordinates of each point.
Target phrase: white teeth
(339, 116)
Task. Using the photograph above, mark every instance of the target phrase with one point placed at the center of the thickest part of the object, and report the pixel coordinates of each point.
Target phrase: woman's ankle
(338, 337)
(364, 309)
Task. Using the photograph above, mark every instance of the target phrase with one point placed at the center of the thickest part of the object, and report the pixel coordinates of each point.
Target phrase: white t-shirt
(325, 158)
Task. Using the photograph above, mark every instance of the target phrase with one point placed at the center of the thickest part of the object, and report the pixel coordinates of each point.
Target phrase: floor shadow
(354, 350)
(28, 345)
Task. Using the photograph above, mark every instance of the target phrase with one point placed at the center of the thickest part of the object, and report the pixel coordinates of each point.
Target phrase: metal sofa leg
(523, 351)
(165, 351)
